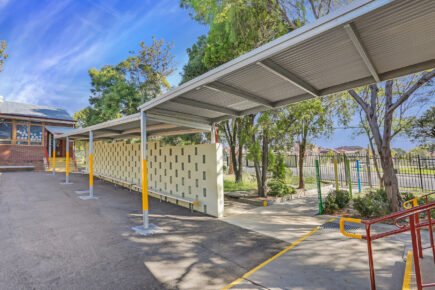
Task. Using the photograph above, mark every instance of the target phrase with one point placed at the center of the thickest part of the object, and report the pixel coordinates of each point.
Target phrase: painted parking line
(237, 281)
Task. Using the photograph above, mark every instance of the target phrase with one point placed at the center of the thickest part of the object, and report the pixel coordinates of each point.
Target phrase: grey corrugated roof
(23, 109)
(58, 129)
(366, 42)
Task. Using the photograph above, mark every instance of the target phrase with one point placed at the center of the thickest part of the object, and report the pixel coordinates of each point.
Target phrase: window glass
(35, 133)
(5, 130)
(22, 133)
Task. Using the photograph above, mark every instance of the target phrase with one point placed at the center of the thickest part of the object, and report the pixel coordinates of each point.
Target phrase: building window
(22, 131)
(35, 134)
(5, 131)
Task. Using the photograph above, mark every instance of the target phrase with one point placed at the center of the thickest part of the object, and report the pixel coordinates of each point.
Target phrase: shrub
(278, 168)
(374, 204)
(279, 188)
(336, 199)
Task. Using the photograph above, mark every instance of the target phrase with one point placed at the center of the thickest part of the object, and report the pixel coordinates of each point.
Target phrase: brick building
(26, 133)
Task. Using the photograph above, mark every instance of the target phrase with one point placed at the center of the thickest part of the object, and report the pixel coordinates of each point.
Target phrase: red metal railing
(414, 227)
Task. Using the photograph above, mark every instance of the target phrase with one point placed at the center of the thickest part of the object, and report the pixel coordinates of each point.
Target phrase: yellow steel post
(144, 170)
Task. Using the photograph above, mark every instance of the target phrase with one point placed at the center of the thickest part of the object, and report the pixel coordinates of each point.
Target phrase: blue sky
(52, 44)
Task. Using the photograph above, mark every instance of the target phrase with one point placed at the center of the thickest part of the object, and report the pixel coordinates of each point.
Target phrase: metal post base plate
(82, 191)
(152, 229)
(86, 197)
(66, 183)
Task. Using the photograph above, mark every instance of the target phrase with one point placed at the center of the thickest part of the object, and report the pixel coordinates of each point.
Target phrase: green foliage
(336, 199)
(118, 90)
(236, 26)
(278, 187)
(195, 65)
(423, 129)
(374, 204)
(3, 54)
(278, 167)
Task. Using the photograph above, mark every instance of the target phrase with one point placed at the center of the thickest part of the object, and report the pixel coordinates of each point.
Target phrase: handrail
(350, 235)
(414, 227)
(414, 201)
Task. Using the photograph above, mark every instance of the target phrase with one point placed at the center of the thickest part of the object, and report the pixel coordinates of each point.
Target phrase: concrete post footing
(152, 229)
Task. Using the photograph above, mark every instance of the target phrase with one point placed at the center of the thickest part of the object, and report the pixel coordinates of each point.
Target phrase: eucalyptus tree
(385, 124)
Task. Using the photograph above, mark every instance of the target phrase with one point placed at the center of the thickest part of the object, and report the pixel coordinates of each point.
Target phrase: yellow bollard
(144, 185)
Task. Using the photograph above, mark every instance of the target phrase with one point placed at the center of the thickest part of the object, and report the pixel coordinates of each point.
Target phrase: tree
(3, 54)
(268, 131)
(195, 65)
(234, 132)
(423, 129)
(118, 90)
(86, 117)
(238, 26)
(391, 104)
(315, 118)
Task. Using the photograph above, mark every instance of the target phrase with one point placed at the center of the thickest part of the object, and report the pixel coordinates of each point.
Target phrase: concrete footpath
(324, 259)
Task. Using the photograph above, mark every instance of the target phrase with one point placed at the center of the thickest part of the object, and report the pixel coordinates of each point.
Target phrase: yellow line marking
(408, 271)
(246, 275)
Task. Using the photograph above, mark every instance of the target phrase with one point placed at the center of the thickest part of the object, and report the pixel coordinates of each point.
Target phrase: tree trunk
(380, 178)
(301, 164)
(262, 191)
(238, 171)
(390, 179)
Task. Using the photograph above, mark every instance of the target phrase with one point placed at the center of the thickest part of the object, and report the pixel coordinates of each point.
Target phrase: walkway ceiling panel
(214, 97)
(327, 60)
(194, 111)
(400, 36)
(271, 87)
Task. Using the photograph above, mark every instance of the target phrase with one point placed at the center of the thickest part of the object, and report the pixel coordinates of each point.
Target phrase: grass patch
(248, 183)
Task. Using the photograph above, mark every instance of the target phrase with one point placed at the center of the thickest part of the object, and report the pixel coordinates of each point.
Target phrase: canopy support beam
(198, 104)
(288, 76)
(352, 33)
(221, 87)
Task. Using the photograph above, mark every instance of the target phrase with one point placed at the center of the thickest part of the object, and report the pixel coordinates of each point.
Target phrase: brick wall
(15, 155)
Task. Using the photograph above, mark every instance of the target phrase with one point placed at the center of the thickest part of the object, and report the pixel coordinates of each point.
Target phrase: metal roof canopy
(366, 42)
(129, 127)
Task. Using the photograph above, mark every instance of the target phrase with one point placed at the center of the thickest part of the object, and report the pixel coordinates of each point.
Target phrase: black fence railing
(414, 172)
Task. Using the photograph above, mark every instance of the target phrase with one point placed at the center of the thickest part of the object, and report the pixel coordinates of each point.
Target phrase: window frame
(8, 121)
(28, 141)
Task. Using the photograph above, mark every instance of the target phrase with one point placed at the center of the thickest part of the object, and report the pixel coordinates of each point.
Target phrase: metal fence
(413, 172)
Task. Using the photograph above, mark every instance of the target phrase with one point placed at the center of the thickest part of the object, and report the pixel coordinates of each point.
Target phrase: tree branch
(360, 101)
(424, 79)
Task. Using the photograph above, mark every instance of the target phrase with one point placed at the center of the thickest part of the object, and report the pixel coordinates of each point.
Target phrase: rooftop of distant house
(29, 110)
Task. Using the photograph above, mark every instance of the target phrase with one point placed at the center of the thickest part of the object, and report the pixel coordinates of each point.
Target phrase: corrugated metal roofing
(366, 41)
(58, 129)
(23, 109)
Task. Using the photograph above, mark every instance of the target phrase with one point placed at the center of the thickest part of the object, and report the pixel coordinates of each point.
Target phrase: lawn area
(248, 183)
